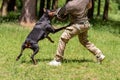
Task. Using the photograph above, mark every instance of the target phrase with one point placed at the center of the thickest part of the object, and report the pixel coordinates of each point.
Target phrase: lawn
(79, 64)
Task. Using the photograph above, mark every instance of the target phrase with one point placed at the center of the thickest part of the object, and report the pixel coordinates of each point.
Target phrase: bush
(12, 17)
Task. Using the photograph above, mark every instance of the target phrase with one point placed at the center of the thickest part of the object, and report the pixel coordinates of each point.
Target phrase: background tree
(106, 7)
(91, 11)
(4, 8)
(28, 15)
(42, 5)
(98, 9)
(55, 4)
(48, 4)
(7, 6)
(67, 1)
(11, 5)
(118, 2)
(27, 11)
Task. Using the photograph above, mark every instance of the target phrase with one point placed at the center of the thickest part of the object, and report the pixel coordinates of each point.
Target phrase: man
(79, 25)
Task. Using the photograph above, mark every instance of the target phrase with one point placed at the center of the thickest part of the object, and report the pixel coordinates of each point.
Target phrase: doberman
(40, 31)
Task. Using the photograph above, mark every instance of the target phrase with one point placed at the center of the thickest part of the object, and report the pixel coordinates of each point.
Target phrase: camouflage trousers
(81, 30)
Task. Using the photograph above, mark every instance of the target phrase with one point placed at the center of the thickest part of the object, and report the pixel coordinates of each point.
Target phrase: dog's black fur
(40, 31)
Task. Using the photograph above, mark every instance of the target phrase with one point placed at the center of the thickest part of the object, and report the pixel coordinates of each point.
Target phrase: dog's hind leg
(22, 49)
(35, 49)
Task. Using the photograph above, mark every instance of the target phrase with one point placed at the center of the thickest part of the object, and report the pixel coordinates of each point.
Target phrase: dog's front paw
(52, 41)
(17, 59)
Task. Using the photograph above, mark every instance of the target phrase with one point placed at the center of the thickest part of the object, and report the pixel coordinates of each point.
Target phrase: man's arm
(61, 13)
(53, 30)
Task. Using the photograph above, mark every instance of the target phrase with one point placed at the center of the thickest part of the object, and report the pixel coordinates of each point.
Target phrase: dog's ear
(44, 9)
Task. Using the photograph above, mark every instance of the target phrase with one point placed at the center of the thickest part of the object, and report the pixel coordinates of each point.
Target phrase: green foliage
(19, 4)
(118, 2)
(113, 7)
(61, 2)
(79, 64)
(0, 3)
(12, 17)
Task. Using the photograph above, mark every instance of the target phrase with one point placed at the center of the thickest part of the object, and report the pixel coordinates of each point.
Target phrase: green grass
(79, 64)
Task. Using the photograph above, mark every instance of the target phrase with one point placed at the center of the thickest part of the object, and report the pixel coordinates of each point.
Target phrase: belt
(84, 22)
(81, 22)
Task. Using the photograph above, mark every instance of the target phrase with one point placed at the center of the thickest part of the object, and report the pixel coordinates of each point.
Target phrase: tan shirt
(78, 10)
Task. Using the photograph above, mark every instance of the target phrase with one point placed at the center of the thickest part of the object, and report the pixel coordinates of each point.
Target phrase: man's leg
(65, 37)
(90, 46)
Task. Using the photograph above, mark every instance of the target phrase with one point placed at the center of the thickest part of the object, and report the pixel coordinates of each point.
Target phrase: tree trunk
(55, 4)
(91, 11)
(98, 10)
(7, 6)
(11, 5)
(48, 4)
(106, 7)
(42, 4)
(28, 15)
(4, 8)
(67, 1)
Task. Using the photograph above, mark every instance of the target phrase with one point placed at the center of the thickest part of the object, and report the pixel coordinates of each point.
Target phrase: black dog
(40, 31)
